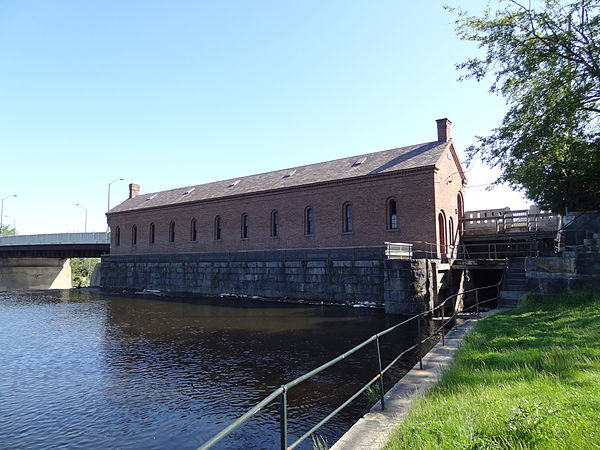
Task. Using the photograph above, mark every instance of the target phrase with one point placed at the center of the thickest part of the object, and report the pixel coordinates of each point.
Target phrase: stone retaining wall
(551, 275)
(329, 280)
(407, 286)
(347, 276)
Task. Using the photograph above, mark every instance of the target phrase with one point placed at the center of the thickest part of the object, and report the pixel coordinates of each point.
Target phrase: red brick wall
(448, 184)
(413, 191)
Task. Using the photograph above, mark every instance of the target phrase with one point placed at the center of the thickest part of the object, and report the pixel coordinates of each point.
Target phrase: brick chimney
(134, 190)
(443, 129)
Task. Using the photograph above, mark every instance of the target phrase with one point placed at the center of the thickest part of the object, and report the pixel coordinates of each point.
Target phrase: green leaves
(545, 59)
(7, 230)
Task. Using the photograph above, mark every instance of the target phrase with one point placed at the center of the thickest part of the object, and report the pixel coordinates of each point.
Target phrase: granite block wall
(399, 285)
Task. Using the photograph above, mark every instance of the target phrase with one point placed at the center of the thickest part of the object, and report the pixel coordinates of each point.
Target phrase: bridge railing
(56, 239)
(498, 221)
(379, 370)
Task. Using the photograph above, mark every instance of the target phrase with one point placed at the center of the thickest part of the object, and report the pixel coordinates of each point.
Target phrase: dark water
(85, 370)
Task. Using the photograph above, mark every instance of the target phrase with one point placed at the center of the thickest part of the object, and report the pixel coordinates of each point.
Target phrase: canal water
(87, 370)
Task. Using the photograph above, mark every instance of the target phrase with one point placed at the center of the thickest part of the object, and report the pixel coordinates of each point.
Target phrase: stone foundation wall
(551, 275)
(357, 276)
(333, 280)
(408, 287)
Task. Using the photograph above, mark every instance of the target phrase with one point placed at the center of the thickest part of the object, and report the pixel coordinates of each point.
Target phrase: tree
(7, 230)
(81, 271)
(545, 60)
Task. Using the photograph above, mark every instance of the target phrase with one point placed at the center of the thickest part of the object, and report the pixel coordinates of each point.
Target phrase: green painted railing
(281, 392)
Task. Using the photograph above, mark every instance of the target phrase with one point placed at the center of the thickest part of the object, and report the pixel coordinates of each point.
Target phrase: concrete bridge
(42, 261)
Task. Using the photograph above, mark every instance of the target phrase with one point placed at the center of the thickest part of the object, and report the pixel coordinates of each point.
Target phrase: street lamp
(85, 223)
(108, 206)
(2, 210)
(113, 181)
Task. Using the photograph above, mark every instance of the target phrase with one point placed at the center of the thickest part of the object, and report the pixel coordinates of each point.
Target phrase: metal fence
(379, 371)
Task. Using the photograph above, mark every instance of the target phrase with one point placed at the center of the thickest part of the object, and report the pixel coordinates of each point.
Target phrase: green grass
(529, 378)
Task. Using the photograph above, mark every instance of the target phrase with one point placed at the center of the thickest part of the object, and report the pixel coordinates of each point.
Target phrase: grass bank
(524, 379)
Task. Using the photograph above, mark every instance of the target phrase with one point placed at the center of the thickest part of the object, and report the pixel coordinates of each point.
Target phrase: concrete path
(374, 428)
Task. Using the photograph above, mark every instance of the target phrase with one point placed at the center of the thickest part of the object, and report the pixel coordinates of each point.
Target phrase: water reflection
(88, 370)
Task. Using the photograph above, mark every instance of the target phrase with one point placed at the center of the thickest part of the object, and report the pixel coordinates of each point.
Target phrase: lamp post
(2, 210)
(113, 181)
(85, 223)
(108, 205)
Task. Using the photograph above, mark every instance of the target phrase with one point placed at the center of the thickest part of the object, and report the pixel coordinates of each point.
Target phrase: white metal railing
(57, 238)
(496, 221)
(398, 250)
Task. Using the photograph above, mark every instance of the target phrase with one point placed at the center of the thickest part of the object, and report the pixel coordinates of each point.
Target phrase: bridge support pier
(17, 274)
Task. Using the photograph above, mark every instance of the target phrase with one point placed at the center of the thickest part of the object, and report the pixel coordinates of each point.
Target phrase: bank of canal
(87, 370)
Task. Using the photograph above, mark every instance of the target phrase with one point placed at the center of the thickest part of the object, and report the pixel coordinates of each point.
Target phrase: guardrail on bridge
(498, 221)
(56, 239)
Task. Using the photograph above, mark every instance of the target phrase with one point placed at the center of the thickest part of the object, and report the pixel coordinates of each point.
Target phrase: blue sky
(169, 94)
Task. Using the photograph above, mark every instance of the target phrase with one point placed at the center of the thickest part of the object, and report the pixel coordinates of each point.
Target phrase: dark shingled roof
(394, 160)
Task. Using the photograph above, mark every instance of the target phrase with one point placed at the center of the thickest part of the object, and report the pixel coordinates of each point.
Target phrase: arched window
(244, 224)
(442, 233)
(274, 223)
(217, 228)
(134, 235)
(348, 218)
(172, 231)
(309, 227)
(392, 215)
(151, 236)
(194, 230)
(118, 236)
(451, 237)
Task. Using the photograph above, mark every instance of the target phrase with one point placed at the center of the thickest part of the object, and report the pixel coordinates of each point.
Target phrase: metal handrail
(281, 392)
(475, 250)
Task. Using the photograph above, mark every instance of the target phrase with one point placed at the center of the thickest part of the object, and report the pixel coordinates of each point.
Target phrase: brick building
(406, 194)
(315, 232)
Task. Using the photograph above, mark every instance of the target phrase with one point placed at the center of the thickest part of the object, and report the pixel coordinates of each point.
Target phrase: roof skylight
(359, 161)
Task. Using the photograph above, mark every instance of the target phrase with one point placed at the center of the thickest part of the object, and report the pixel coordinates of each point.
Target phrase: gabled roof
(387, 161)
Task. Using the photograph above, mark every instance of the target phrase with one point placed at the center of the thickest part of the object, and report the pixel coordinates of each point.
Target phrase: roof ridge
(346, 168)
(224, 180)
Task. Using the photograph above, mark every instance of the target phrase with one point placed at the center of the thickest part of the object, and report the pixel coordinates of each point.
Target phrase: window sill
(393, 230)
(309, 235)
(243, 239)
(348, 232)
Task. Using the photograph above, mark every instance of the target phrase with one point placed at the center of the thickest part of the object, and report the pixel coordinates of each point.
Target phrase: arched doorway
(460, 210)
(442, 234)
(451, 237)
